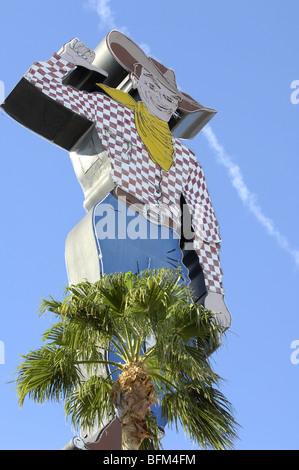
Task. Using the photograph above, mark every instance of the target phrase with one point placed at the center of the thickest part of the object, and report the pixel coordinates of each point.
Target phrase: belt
(152, 212)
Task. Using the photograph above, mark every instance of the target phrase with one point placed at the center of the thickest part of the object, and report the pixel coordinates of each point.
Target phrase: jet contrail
(247, 197)
(106, 15)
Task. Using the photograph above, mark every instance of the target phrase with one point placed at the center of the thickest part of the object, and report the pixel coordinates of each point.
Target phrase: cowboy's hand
(78, 54)
(216, 303)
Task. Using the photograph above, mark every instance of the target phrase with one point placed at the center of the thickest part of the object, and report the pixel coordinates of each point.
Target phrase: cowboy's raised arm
(48, 76)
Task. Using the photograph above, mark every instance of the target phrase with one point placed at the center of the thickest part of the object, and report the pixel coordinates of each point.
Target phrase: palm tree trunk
(133, 394)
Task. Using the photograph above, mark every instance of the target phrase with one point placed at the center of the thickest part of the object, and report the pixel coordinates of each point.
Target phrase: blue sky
(238, 56)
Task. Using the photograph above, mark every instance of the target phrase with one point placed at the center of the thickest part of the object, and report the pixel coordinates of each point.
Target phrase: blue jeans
(129, 242)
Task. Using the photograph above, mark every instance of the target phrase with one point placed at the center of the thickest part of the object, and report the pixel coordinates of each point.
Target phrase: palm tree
(122, 313)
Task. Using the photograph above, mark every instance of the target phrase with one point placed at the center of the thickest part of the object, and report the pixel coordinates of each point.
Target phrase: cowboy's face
(159, 101)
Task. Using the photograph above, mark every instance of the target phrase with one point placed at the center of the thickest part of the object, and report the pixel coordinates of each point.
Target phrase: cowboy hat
(128, 55)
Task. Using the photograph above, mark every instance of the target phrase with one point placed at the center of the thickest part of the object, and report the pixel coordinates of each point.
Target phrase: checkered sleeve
(48, 77)
(206, 241)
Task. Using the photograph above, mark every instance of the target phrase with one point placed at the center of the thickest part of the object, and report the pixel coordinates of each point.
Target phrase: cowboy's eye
(170, 99)
(151, 86)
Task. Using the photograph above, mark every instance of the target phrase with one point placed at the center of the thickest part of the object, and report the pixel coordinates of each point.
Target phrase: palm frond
(90, 403)
(204, 413)
(47, 374)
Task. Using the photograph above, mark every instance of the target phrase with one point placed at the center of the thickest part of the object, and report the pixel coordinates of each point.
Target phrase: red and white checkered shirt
(131, 167)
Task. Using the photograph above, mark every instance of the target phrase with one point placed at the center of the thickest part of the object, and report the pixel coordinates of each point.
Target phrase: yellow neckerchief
(154, 132)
